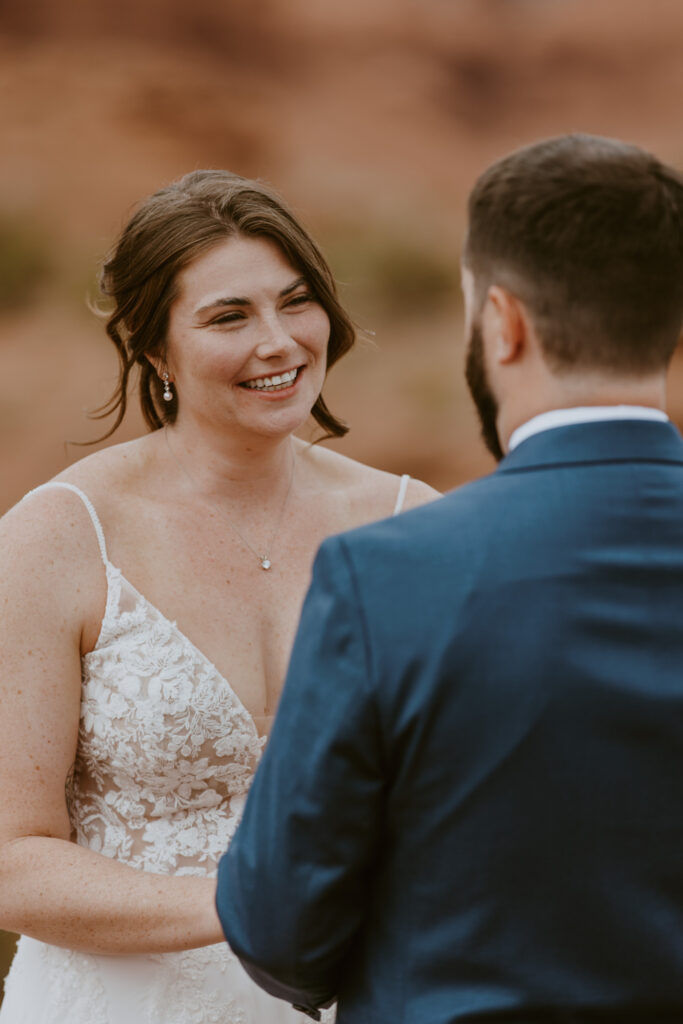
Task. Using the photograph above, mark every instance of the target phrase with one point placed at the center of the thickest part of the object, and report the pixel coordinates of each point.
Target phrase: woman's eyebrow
(293, 286)
(237, 301)
(219, 303)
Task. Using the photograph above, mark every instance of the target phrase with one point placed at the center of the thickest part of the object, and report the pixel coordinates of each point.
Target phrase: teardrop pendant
(265, 562)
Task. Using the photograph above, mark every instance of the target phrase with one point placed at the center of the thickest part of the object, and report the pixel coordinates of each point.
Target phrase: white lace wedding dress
(166, 753)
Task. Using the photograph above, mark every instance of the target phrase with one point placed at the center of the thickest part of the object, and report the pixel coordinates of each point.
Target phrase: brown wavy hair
(168, 231)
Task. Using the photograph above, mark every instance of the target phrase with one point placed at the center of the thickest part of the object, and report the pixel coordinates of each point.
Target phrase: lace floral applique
(76, 993)
(166, 750)
(197, 992)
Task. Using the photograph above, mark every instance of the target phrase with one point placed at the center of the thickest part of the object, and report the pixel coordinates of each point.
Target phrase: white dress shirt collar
(582, 414)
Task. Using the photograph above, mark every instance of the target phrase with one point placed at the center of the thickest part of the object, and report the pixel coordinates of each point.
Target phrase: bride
(149, 597)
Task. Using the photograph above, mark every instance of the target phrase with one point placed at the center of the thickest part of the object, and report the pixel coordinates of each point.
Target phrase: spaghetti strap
(89, 506)
(403, 487)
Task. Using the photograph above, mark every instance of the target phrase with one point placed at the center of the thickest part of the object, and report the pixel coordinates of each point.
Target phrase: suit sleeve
(293, 887)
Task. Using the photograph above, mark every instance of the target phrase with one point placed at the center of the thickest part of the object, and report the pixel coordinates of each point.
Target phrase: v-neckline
(192, 647)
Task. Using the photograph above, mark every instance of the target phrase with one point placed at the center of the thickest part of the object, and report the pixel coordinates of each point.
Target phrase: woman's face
(247, 340)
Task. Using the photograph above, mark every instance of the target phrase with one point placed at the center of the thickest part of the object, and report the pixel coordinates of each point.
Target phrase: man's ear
(504, 319)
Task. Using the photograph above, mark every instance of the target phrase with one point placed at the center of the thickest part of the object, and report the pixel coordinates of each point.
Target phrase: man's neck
(572, 392)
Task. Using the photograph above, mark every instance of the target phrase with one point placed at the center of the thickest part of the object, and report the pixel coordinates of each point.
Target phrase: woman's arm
(50, 578)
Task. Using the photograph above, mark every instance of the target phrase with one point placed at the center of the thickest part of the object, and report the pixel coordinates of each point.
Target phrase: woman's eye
(301, 299)
(228, 318)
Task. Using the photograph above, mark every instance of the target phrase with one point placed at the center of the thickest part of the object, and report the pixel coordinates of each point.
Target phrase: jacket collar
(603, 441)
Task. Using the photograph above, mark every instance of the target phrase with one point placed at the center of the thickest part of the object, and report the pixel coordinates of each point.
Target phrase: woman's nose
(274, 338)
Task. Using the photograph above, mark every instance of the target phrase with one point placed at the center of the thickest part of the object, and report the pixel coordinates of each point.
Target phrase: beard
(480, 390)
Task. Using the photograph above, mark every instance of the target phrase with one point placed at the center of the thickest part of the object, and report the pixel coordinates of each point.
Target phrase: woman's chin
(279, 413)
(280, 422)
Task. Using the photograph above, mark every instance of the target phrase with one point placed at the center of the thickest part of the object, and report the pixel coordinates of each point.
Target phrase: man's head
(574, 245)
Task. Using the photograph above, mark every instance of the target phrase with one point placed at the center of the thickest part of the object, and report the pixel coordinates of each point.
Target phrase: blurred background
(371, 117)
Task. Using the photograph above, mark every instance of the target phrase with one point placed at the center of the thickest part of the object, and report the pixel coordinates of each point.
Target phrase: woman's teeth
(277, 383)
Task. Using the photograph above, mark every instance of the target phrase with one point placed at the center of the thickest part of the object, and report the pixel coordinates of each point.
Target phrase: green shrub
(392, 270)
(25, 261)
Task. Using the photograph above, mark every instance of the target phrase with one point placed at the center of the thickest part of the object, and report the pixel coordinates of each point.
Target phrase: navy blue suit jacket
(471, 805)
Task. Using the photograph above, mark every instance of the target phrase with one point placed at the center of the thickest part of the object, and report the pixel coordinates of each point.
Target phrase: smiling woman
(218, 349)
(134, 719)
(173, 228)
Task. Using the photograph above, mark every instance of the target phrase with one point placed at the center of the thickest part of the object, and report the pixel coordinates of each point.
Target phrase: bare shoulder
(111, 471)
(419, 493)
(46, 549)
(368, 493)
(52, 527)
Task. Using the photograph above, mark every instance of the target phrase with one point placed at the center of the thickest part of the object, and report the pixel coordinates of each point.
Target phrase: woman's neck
(226, 466)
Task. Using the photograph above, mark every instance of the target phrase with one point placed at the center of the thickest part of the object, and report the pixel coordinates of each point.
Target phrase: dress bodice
(166, 750)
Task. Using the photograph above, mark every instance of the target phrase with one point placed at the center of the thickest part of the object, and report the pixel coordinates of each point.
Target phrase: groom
(471, 806)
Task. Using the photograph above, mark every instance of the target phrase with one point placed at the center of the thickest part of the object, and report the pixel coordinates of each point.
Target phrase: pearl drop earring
(168, 394)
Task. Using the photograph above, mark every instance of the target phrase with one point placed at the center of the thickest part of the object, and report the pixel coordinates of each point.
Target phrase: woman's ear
(159, 365)
(504, 318)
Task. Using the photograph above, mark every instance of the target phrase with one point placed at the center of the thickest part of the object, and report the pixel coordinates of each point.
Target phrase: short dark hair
(588, 233)
(169, 230)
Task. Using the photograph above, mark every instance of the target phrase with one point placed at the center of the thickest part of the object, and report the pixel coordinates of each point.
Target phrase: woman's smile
(275, 382)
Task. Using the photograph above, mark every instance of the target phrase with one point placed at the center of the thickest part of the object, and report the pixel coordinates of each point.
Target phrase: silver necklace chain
(264, 559)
